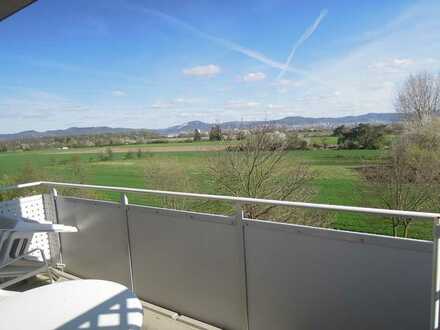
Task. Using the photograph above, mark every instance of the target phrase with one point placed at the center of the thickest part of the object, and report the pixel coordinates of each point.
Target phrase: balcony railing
(238, 273)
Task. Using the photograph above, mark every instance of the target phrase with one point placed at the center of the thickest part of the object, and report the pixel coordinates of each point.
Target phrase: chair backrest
(13, 243)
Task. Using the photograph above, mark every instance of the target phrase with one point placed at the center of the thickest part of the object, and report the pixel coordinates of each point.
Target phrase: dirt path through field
(121, 149)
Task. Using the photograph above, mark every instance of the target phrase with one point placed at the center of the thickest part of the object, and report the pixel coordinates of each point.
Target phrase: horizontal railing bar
(21, 186)
(236, 200)
(247, 200)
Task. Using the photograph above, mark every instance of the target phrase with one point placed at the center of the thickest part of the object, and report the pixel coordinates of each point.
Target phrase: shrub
(215, 134)
(197, 135)
(139, 153)
(129, 155)
(295, 142)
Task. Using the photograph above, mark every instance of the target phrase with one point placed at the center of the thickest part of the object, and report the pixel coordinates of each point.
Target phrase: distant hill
(72, 131)
(287, 122)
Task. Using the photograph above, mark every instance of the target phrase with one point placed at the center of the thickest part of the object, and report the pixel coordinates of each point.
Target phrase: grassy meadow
(183, 167)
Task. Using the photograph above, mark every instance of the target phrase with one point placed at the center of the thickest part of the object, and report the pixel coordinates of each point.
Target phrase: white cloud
(239, 104)
(187, 101)
(271, 106)
(433, 61)
(179, 102)
(394, 64)
(209, 70)
(162, 105)
(287, 85)
(287, 82)
(118, 93)
(402, 61)
(254, 76)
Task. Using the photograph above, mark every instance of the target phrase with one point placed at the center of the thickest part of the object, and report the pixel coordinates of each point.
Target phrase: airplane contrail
(229, 44)
(306, 35)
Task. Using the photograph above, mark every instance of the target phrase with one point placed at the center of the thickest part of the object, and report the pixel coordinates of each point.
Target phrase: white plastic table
(79, 304)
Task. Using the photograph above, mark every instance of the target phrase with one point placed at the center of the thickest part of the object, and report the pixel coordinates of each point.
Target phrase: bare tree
(408, 178)
(258, 168)
(419, 98)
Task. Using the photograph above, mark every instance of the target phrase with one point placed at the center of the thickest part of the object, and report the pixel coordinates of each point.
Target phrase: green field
(337, 181)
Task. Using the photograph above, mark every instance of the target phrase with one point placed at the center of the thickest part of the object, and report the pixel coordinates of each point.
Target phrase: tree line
(79, 141)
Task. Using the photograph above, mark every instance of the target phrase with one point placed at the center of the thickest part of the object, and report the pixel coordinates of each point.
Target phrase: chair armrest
(44, 228)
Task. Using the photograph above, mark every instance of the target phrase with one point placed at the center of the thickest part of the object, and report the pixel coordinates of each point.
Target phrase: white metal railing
(232, 199)
(240, 201)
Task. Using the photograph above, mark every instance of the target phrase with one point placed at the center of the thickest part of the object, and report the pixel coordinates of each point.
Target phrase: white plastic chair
(21, 268)
(16, 262)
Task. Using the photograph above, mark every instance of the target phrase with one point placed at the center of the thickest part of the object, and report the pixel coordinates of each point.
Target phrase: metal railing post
(435, 275)
(54, 194)
(124, 207)
(242, 237)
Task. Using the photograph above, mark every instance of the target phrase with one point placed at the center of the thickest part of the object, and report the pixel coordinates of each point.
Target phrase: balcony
(230, 272)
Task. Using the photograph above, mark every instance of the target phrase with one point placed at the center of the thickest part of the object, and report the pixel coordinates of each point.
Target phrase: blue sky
(151, 64)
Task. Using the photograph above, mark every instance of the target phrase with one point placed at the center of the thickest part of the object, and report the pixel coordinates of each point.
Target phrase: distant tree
(129, 155)
(215, 134)
(295, 142)
(197, 135)
(25, 147)
(109, 153)
(139, 153)
(77, 169)
(339, 131)
(102, 156)
(419, 98)
(371, 136)
(363, 136)
(3, 148)
(241, 135)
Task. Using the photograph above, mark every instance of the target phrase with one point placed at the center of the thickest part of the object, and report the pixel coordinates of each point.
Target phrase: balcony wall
(218, 269)
(235, 273)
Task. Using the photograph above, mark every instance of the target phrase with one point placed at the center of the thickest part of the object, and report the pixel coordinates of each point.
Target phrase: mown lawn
(337, 180)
